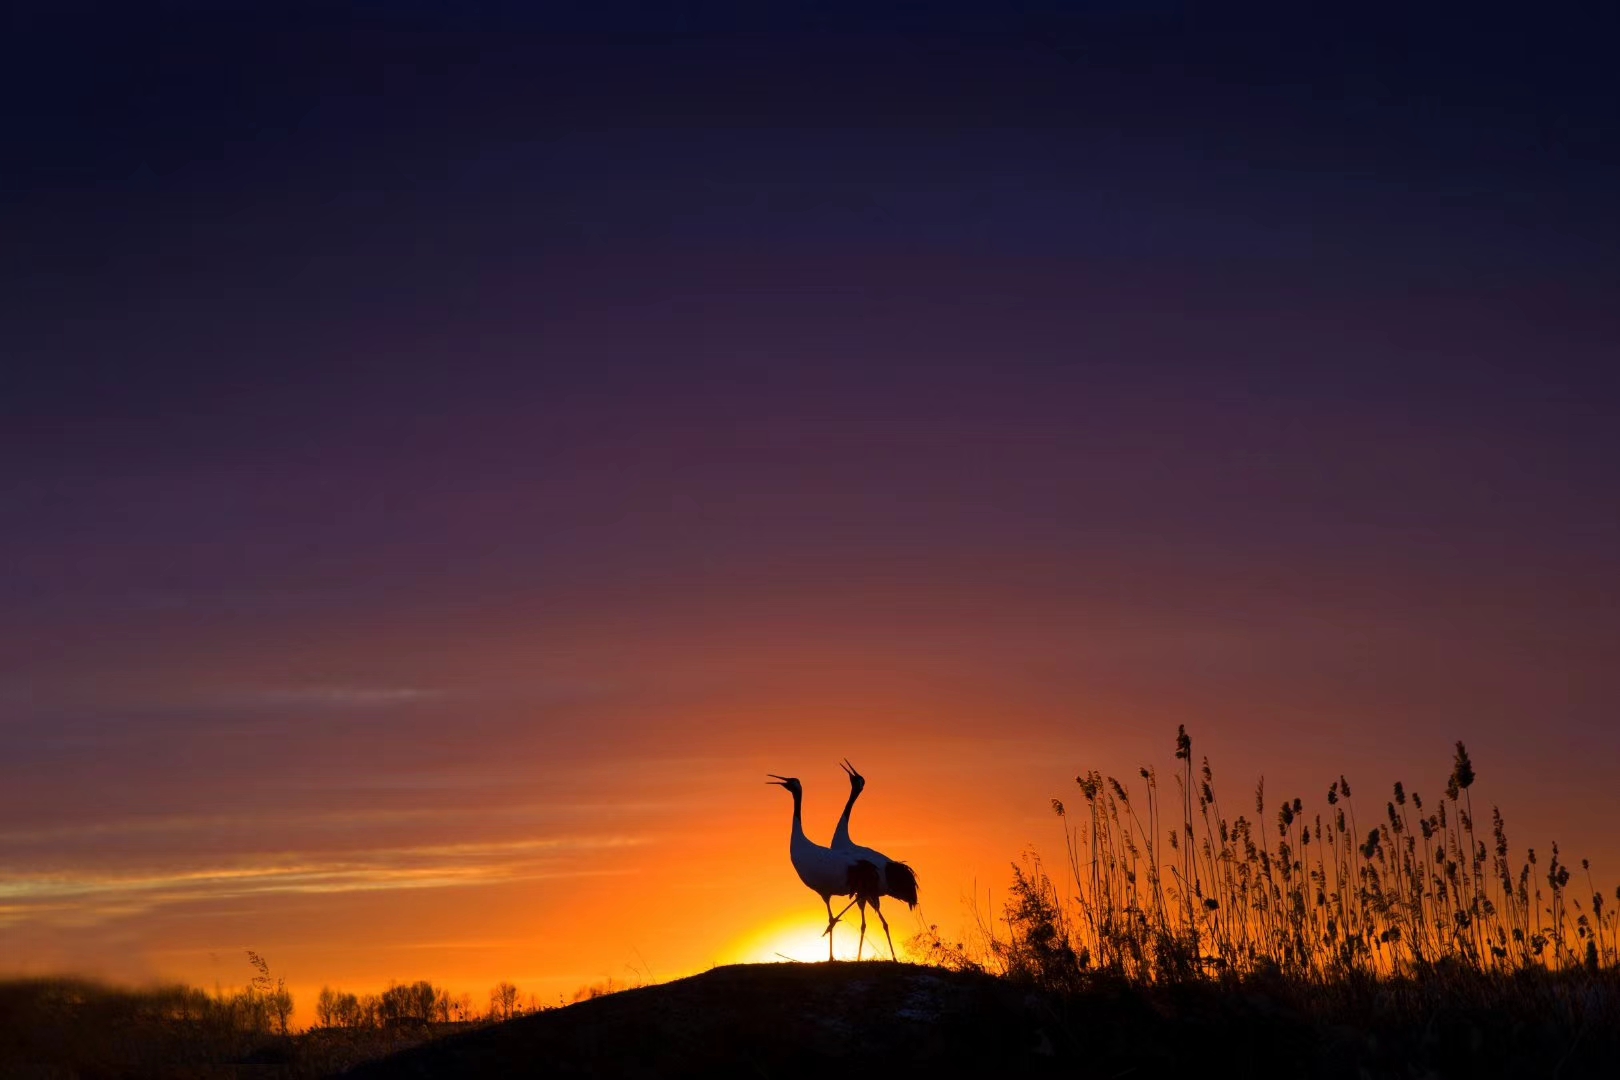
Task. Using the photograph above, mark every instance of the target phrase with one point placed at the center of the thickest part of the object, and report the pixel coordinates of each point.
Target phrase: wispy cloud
(341, 696)
(329, 823)
(84, 897)
(259, 600)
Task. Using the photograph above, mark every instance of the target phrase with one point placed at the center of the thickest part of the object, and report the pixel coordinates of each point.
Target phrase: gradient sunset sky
(449, 457)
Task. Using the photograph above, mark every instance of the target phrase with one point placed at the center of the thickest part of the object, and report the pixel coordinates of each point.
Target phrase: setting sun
(800, 940)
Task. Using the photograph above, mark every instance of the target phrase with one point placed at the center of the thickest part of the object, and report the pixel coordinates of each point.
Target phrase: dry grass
(1162, 888)
(1416, 944)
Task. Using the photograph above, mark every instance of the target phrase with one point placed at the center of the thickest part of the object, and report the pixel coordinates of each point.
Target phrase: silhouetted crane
(826, 872)
(873, 875)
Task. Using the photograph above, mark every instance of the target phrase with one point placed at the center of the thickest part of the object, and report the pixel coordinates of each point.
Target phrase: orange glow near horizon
(680, 866)
(792, 940)
(432, 822)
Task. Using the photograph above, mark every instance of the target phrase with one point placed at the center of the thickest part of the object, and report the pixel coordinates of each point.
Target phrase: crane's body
(821, 868)
(825, 872)
(873, 875)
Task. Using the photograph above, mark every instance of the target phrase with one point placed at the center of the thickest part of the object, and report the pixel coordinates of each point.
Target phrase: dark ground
(883, 1019)
(875, 1019)
(756, 1020)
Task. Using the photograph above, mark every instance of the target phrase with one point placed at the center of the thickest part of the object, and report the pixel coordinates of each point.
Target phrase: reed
(1296, 892)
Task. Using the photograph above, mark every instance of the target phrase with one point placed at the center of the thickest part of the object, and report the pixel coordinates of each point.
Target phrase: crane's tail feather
(901, 883)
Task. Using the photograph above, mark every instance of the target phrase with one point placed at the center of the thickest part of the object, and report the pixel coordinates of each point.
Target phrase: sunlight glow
(797, 938)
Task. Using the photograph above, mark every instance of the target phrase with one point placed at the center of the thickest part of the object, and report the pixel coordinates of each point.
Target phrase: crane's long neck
(841, 833)
(798, 814)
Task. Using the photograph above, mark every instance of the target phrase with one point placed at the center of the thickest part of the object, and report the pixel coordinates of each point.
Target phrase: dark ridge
(885, 1019)
(758, 1020)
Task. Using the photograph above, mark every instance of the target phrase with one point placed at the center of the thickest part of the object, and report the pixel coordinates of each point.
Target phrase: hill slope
(881, 1019)
(890, 1020)
(760, 1020)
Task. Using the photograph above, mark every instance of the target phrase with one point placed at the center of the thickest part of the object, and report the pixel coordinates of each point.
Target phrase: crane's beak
(776, 779)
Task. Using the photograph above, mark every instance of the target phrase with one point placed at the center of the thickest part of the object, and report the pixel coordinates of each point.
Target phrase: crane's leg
(885, 922)
(837, 917)
(863, 934)
(832, 920)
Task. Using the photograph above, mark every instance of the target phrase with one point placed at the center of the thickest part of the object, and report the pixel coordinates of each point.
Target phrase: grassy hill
(883, 1019)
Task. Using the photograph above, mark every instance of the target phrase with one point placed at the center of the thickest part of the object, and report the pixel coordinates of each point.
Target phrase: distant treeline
(416, 1004)
(66, 1026)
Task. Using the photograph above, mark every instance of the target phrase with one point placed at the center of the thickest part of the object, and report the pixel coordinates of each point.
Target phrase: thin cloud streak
(350, 820)
(342, 697)
(81, 898)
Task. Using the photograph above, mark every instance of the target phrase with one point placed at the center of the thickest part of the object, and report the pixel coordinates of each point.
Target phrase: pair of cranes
(846, 868)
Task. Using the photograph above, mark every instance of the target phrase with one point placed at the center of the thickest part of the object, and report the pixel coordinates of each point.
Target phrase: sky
(451, 453)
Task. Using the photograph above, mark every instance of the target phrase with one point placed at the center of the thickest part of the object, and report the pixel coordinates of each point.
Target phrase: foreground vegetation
(1418, 944)
(1162, 892)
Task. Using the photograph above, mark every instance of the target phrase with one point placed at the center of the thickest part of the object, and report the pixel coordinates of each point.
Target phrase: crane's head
(789, 782)
(857, 782)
